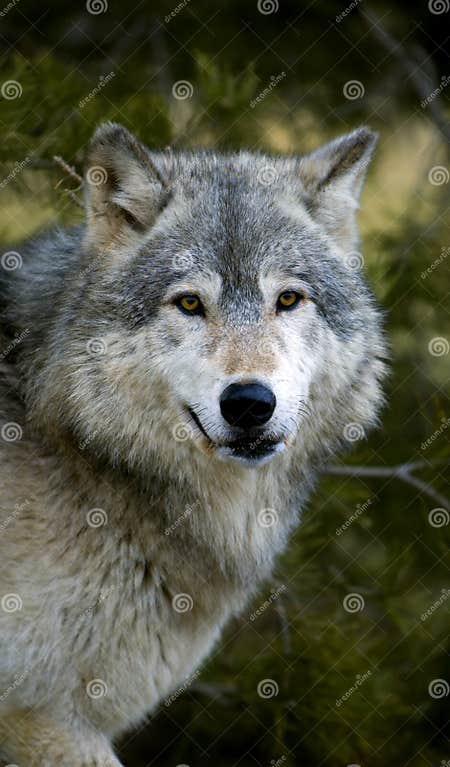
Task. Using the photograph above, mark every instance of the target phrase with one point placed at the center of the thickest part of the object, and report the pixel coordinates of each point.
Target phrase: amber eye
(288, 300)
(190, 304)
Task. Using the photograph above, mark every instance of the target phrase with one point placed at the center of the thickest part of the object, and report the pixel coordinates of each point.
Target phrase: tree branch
(402, 471)
(72, 173)
(413, 69)
(213, 691)
(68, 169)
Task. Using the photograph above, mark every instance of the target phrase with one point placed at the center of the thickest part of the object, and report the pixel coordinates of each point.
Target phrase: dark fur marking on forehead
(140, 286)
(241, 304)
(236, 229)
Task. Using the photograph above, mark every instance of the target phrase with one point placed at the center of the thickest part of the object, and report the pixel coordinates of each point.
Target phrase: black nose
(247, 405)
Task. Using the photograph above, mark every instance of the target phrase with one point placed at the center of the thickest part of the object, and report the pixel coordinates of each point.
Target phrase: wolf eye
(190, 304)
(288, 299)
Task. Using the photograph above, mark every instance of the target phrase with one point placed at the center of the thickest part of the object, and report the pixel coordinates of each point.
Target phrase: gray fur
(98, 429)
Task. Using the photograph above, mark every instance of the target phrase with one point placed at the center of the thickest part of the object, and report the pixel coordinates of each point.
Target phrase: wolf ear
(333, 177)
(124, 189)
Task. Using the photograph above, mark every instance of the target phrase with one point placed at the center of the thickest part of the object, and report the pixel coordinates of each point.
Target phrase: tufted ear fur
(125, 191)
(332, 177)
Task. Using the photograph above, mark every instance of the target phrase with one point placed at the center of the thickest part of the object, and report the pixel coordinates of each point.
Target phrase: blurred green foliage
(353, 687)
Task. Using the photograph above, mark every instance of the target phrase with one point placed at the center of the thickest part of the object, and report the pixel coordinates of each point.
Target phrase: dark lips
(198, 423)
(252, 448)
(248, 449)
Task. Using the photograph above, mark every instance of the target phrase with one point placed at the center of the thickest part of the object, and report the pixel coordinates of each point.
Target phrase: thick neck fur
(228, 520)
(214, 510)
(171, 493)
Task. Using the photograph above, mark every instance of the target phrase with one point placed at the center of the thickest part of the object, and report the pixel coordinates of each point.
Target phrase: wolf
(176, 372)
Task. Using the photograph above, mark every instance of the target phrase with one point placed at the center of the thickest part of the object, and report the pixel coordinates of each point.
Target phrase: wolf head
(219, 309)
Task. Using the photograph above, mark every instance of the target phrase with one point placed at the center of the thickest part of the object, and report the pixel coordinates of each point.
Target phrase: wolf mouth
(254, 447)
(251, 453)
(199, 424)
(249, 449)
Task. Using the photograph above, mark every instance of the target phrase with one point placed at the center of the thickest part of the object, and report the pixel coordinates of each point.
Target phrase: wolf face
(208, 319)
(221, 294)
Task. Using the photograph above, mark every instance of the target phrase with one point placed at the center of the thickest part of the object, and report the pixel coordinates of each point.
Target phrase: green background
(353, 688)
